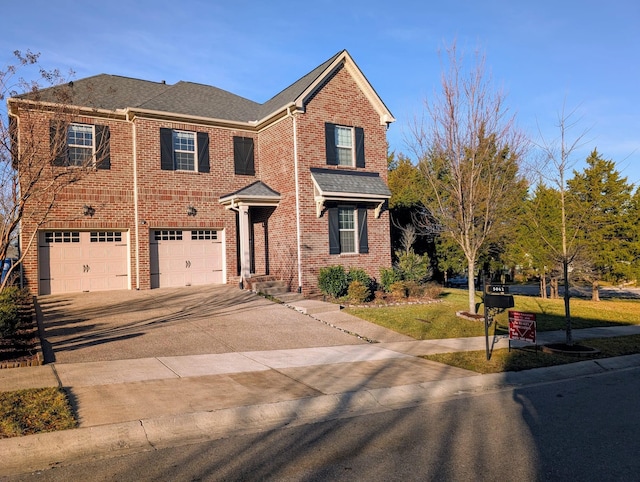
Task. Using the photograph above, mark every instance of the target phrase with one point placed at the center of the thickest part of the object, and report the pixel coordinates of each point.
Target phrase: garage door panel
(185, 258)
(73, 261)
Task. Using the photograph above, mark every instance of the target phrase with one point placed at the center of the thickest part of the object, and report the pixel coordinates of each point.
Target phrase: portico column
(245, 260)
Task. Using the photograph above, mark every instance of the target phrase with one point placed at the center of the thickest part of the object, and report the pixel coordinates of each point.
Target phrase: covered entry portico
(253, 203)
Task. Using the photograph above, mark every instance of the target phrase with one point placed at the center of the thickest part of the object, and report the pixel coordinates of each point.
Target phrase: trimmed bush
(358, 292)
(333, 281)
(398, 289)
(388, 276)
(11, 299)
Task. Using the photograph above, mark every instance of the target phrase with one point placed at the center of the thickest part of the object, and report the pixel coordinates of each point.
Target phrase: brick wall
(163, 196)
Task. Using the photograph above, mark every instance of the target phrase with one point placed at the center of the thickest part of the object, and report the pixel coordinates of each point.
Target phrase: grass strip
(37, 410)
(503, 360)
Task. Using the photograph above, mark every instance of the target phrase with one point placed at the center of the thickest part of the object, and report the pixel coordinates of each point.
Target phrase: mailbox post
(495, 296)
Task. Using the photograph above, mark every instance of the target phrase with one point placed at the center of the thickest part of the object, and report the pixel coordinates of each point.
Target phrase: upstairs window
(184, 150)
(344, 145)
(80, 145)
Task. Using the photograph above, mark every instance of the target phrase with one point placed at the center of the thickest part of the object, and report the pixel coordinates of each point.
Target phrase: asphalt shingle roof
(113, 92)
(350, 182)
(255, 189)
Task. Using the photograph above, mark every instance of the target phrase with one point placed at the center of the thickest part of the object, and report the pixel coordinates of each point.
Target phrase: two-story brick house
(190, 184)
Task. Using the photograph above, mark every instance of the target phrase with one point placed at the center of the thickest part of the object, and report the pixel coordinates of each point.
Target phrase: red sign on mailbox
(522, 326)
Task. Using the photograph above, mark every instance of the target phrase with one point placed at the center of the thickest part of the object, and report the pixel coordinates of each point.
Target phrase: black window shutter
(330, 141)
(334, 231)
(203, 152)
(103, 148)
(243, 156)
(363, 238)
(166, 149)
(58, 138)
(359, 147)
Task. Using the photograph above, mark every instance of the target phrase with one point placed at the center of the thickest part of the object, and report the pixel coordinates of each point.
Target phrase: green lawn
(438, 320)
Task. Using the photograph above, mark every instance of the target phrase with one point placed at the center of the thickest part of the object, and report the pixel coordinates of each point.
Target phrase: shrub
(432, 291)
(388, 276)
(414, 289)
(412, 266)
(358, 274)
(332, 281)
(398, 289)
(11, 298)
(358, 292)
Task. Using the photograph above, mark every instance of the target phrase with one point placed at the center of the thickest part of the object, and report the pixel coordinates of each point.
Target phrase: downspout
(296, 174)
(135, 202)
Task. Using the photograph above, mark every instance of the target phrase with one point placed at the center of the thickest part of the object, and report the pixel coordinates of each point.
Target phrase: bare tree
(561, 236)
(469, 151)
(31, 173)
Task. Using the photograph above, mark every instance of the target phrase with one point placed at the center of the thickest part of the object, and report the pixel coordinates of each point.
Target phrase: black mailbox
(498, 301)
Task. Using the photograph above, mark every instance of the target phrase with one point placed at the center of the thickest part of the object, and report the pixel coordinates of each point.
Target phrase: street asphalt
(150, 369)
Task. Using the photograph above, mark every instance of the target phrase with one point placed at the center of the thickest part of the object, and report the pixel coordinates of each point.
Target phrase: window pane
(185, 161)
(184, 141)
(343, 136)
(80, 135)
(346, 218)
(347, 242)
(79, 156)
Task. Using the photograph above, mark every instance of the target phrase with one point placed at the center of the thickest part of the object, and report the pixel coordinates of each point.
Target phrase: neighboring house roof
(115, 93)
(255, 194)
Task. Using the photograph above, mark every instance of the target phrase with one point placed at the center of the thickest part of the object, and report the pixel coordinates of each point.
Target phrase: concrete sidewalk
(151, 402)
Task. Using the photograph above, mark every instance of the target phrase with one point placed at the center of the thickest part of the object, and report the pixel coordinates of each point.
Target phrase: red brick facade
(136, 196)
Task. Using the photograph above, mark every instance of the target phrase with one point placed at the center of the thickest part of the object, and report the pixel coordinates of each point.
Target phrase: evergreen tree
(606, 240)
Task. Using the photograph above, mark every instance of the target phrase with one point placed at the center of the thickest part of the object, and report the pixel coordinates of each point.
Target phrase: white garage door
(72, 261)
(186, 257)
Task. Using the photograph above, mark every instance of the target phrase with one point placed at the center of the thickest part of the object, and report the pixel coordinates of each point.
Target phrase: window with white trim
(344, 146)
(80, 143)
(184, 150)
(347, 227)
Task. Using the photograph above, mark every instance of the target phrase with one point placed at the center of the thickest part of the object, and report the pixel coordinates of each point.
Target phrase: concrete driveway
(118, 325)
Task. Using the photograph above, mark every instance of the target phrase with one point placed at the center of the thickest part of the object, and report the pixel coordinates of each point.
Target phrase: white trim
(296, 174)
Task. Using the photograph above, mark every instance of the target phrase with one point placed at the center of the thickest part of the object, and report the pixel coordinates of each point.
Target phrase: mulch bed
(22, 349)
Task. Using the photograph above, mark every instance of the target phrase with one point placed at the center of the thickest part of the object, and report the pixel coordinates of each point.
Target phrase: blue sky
(585, 54)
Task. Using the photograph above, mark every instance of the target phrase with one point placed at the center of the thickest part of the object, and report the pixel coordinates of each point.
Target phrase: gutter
(296, 174)
(135, 197)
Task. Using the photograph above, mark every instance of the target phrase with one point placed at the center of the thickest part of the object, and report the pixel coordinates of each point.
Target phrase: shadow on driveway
(126, 324)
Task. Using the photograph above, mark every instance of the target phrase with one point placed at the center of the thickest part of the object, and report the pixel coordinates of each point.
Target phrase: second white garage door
(186, 257)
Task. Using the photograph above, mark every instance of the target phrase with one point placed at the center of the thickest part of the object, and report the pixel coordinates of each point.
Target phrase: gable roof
(115, 93)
